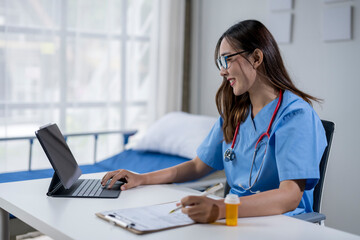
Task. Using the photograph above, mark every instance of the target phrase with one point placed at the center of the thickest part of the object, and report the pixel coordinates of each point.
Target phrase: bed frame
(133, 160)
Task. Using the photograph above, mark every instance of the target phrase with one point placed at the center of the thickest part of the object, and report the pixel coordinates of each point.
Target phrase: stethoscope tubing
(229, 154)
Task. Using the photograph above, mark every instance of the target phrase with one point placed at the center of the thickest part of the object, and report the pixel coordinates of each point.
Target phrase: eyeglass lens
(222, 62)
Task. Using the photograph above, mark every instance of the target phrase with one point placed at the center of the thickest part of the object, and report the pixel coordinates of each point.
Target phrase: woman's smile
(232, 81)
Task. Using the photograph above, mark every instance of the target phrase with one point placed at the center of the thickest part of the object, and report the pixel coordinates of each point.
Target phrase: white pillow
(176, 133)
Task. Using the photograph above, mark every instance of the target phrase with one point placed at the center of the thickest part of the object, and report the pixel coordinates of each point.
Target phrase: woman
(268, 138)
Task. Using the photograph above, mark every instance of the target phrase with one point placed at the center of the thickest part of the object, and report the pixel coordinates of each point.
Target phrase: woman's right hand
(131, 179)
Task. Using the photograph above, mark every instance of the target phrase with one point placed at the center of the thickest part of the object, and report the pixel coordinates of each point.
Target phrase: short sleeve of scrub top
(210, 150)
(294, 149)
(298, 146)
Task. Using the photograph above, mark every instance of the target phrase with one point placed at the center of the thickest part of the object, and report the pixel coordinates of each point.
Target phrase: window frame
(63, 33)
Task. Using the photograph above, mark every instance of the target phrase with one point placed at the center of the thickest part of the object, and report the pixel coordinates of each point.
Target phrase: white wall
(328, 70)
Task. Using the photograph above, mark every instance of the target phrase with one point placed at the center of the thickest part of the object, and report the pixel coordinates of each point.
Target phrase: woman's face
(240, 73)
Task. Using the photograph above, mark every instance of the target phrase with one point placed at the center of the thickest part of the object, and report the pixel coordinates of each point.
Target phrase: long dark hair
(250, 35)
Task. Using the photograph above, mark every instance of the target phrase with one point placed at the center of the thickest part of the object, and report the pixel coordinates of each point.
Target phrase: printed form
(149, 218)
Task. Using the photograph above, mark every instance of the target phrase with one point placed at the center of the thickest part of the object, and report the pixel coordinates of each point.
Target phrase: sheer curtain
(170, 57)
(30, 77)
(86, 65)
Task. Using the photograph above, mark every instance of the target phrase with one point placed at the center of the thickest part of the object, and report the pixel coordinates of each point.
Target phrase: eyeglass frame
(224, 58)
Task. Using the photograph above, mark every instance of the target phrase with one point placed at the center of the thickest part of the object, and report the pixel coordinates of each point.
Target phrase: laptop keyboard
(89, 188)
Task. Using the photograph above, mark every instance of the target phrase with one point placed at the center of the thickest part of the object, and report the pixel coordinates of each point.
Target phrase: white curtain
(169, 65)
(118, 63)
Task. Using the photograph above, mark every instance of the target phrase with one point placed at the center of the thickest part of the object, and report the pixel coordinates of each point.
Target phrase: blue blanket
(132, 160)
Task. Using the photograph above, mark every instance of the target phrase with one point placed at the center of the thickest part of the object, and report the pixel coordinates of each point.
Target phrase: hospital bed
(171, 140)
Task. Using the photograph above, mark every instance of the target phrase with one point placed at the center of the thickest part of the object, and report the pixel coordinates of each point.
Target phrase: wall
(328, 70)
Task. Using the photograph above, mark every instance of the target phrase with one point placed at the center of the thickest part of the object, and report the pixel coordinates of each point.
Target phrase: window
(83, 64)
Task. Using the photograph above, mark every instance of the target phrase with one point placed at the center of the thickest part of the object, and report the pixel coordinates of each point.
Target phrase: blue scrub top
(294, 149)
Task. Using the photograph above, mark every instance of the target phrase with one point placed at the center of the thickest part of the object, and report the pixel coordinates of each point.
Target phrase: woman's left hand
(203, 209)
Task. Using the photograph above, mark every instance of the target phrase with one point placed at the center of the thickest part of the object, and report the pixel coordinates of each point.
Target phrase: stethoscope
(229, 154)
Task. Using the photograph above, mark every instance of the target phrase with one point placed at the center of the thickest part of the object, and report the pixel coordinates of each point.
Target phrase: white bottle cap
(232, 199)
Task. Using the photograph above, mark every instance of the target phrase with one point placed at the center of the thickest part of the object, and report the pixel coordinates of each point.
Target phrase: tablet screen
(59, 154)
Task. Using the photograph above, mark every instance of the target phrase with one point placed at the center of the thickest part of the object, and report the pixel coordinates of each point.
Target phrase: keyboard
(89, 188)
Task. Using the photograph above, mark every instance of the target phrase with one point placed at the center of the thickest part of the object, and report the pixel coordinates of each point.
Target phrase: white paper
(276, 5)
(333, 1)
(337, 23)
(280, 25)
(153, 217)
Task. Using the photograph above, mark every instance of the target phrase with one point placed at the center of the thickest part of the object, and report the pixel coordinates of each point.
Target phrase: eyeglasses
(222, 61)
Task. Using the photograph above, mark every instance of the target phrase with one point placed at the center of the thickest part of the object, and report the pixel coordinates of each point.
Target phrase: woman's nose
(223, 72)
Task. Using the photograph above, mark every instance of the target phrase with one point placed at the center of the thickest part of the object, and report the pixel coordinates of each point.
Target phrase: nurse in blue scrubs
(268, 137)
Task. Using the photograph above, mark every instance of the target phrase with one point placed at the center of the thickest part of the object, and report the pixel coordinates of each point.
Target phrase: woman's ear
(258, 57)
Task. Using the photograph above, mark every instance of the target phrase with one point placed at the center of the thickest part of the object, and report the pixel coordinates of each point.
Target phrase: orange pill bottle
(232, 203)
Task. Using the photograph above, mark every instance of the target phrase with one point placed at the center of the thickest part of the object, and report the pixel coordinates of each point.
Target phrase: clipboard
(147, 219)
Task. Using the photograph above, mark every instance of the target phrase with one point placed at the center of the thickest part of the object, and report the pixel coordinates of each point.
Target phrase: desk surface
(71, 218)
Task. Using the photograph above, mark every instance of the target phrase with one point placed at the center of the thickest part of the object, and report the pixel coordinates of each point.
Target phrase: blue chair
(316, 216)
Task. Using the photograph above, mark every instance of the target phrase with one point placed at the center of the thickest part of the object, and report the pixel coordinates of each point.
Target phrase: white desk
(69, 218)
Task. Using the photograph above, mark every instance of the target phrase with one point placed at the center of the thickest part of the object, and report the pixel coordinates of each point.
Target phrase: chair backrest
(329, 130)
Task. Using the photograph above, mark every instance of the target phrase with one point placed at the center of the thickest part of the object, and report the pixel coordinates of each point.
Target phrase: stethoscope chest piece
(229, 155)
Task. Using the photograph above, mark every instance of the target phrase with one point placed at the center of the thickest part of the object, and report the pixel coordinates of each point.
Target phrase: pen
(208, 191)
(116, 220)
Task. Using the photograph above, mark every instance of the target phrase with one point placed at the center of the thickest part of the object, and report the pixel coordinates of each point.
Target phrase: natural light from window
(83, 64)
